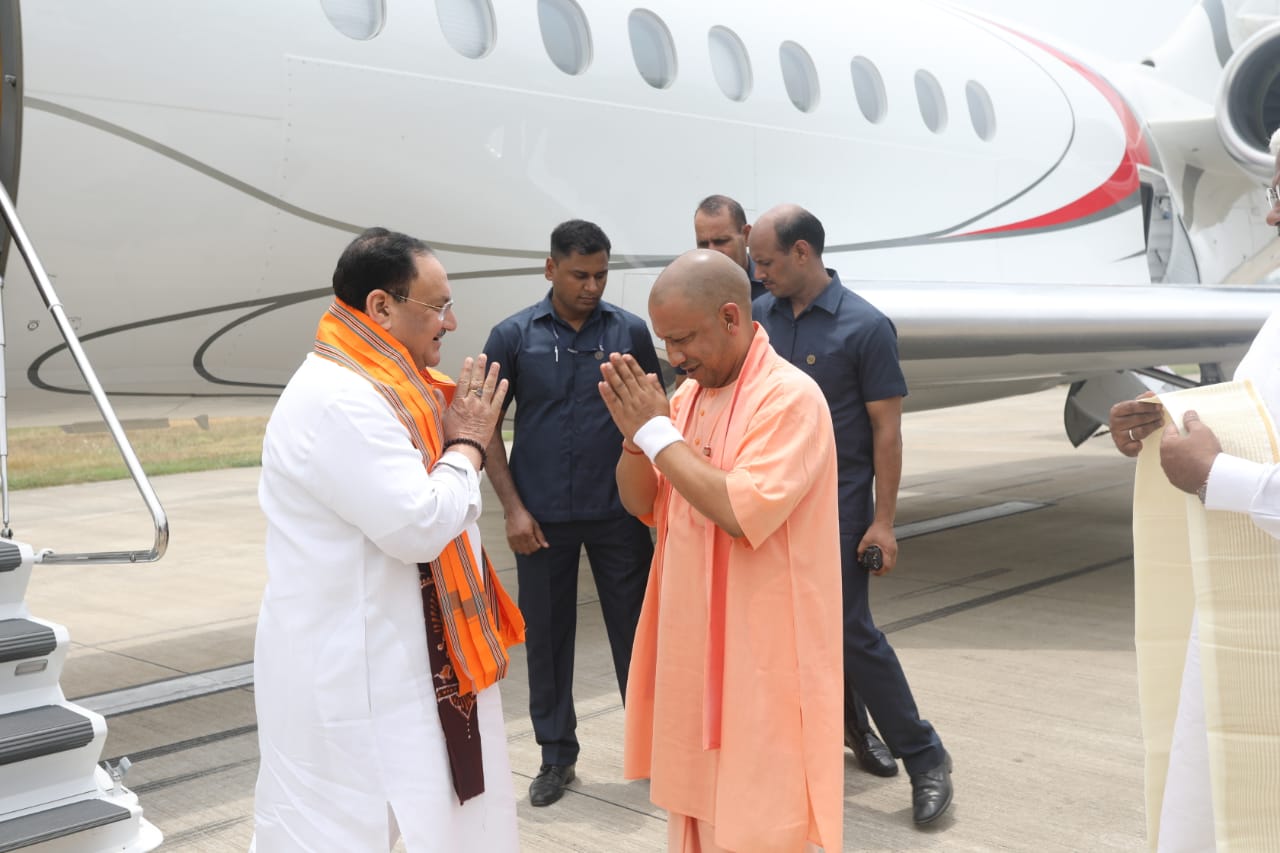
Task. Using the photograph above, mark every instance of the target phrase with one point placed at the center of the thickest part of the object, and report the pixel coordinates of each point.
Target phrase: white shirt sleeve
(1238, 485)
(364, 467)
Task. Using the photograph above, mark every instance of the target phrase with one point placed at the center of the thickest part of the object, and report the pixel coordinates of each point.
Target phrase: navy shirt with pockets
(851, 350)
(566, 445)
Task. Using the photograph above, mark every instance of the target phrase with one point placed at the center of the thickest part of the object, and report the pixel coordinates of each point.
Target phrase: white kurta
(1238, 485)
(349, 734)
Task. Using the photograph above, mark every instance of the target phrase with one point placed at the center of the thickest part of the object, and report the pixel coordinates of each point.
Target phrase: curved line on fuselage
(945, 234)
(264, 305)
(1094, 205)
(1119, 207)
(272, 302)
(244, 187)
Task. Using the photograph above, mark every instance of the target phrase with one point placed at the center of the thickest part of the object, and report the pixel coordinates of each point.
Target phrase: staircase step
(32, 654)
(16, 560)
(58, 822)
(10, 556)
(22, 638)
(41, 731)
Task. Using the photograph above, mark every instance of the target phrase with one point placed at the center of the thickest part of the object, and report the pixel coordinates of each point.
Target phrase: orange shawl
(480, 619)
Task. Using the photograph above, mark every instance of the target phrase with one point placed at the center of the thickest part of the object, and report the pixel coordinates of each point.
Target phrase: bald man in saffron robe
(734, 704)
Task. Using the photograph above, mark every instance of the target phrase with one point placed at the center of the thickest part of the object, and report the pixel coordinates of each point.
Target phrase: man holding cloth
(1205, 621)
(731, 708)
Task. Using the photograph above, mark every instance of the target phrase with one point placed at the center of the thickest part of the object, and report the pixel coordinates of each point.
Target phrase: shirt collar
(828, 300)
(544, 309)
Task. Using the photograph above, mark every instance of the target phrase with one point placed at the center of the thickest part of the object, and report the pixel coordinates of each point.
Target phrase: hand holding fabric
(477, 402)
(632, 396)
(1187, 459)
(1133, 420)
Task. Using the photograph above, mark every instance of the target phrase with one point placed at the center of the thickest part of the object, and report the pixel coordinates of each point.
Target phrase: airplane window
(981, 111)
(565, 34)
(467, 26)
(933, 104)
(868, 88)
(652, 48)
(799, 76)
(729, 63)
(357, 19)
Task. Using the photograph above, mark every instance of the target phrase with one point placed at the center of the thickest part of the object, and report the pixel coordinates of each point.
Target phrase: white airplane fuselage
(190, 173)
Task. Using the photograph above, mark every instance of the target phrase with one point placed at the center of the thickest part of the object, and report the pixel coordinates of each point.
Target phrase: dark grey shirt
(566, 446)
(851, 350)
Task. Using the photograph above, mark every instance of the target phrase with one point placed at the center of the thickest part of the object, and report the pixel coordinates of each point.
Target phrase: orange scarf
(480, 619)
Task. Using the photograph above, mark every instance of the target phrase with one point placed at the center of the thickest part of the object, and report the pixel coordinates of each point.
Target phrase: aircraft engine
(1249, 101)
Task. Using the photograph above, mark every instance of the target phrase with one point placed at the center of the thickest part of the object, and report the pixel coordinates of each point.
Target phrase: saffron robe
(349, 732)
(734, 700)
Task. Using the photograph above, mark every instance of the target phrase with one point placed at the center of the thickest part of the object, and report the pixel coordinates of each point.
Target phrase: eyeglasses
(443, 309)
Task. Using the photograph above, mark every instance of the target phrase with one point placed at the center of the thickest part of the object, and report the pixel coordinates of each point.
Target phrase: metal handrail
(161, 522)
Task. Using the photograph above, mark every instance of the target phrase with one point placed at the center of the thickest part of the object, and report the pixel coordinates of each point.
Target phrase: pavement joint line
(170, 781)
(205, 829)
(992, 598)
(965, 517)
(183, 745)
(168, 690)
(570, 789)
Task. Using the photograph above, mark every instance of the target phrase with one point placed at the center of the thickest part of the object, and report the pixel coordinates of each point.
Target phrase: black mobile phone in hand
(872, 559)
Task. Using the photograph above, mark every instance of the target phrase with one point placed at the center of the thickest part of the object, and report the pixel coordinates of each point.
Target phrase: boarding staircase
(54, 795)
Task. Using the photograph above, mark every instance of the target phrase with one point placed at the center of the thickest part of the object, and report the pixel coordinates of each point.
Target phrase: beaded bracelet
(469, 442)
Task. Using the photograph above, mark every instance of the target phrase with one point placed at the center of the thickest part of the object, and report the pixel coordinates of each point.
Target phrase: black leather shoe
(873, 756)
(550, 784)
(931, 792)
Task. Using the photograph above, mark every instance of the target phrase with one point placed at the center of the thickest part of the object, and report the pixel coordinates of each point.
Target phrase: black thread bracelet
(469, 442)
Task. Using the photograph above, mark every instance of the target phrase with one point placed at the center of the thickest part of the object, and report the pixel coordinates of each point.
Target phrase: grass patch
(51, 456)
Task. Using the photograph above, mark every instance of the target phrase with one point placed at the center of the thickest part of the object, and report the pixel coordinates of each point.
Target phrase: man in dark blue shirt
(851, 350)
(559, 492)
(720, 224)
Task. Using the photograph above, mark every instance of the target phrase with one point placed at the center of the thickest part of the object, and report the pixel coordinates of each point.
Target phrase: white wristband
(656, 434)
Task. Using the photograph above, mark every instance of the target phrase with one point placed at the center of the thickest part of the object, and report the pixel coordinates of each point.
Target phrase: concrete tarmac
(1011, 611)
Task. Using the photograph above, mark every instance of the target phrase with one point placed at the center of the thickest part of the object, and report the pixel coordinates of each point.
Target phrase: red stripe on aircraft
(1122, 183)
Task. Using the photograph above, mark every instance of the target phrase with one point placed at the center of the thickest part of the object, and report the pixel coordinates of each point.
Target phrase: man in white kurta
(1224, 482)
(352, 749)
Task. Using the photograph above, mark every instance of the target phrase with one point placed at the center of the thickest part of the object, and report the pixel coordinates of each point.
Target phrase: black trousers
(871, 667)
(619, 551)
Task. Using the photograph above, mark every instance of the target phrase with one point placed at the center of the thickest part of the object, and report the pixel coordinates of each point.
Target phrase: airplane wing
(962, 343)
